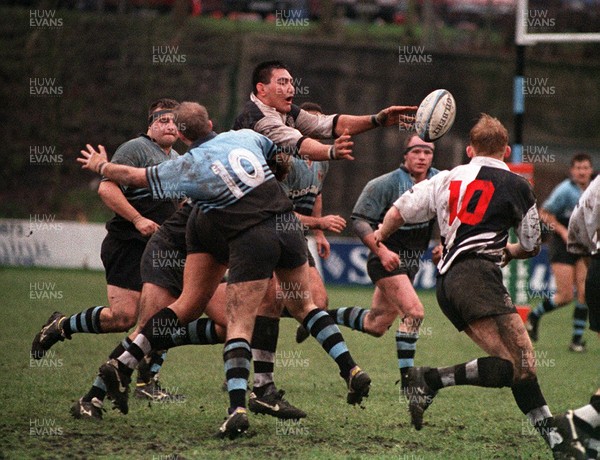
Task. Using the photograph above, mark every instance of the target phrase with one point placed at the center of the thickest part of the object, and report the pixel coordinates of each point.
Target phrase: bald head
(192, 120)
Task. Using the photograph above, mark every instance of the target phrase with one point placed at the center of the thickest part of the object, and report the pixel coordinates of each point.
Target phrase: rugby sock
(87, 321)
(236, 356)
(528, 396)
(98, 389)
(490, 372)
(580, 314)
(544, 307)
(150, 366)
(202, 331)
(593, 447)
(321, 327)
(264, 344)
(406, 345)
(588, 417)
(352, 317)
(157, 334)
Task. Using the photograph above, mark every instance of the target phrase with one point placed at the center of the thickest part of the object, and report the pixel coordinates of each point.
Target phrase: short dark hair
(262, 72)
(163, 103)
(580, 157)
(311, 107)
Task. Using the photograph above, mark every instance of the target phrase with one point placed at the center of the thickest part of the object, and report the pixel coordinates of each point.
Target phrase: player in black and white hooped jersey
(583, 240)
(476, 205)
(297, 131)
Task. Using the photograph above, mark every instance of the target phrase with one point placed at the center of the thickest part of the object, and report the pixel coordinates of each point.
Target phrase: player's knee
(321, 301)
(414, 317)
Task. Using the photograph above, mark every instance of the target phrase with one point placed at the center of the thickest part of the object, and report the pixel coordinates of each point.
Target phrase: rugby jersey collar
(202, 140)
(488, 161)
(264, 108)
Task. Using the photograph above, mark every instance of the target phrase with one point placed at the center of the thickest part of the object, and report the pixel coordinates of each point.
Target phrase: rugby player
(271, 112)
(476, 205)
(232, 184)
(303, 185)
(569, 269)
(584, 239)
(163, 279)
(137, 217)
(393, 266)
(161, 270)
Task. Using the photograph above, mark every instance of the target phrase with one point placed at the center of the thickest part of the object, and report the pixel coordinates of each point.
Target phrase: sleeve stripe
(333, 125)
(154, 182)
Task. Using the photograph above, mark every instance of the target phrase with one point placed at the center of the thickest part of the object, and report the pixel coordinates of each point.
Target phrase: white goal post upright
(518, 271)
(524, 38)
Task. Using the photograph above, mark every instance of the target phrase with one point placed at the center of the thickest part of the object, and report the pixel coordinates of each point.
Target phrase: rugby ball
(435, 115)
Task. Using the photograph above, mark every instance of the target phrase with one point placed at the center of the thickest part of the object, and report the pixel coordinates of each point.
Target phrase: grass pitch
(462, 423)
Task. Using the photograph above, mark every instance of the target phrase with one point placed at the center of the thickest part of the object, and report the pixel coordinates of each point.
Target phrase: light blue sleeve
(556, 202)
(174, 179)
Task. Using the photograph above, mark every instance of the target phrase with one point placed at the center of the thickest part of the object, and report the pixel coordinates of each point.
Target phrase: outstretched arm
(401, 115)
(97, 162)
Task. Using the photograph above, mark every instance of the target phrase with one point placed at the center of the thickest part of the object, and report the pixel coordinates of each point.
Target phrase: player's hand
(323, 248)
(401, 115)
(145, 226)
(92, 159)
(390, 260)
(343, 146)
(332, 223)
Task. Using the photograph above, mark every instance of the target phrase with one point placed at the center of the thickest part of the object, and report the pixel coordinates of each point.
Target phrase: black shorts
(309, 257)
(408, 266)
(557, 251)
(472, 289)
(163, 260)
(121, 260)
(592, 293)
(259, 250)
(203, 237)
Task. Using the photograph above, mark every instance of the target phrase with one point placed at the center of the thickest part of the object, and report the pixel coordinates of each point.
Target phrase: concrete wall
(109, 67)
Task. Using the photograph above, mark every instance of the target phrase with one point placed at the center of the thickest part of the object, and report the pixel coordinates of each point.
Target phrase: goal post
(518, 271)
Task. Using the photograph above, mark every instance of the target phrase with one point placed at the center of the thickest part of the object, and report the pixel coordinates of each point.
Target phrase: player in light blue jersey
(230, 180)
(569, 269)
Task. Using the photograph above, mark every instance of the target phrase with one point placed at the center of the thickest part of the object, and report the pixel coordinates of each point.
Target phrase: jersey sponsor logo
(311, 189)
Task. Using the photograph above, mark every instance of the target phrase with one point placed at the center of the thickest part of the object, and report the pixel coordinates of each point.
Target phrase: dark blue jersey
(141, 152)
(378, 196)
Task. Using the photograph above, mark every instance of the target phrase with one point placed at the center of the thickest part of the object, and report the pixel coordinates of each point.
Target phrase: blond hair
(489, 136)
